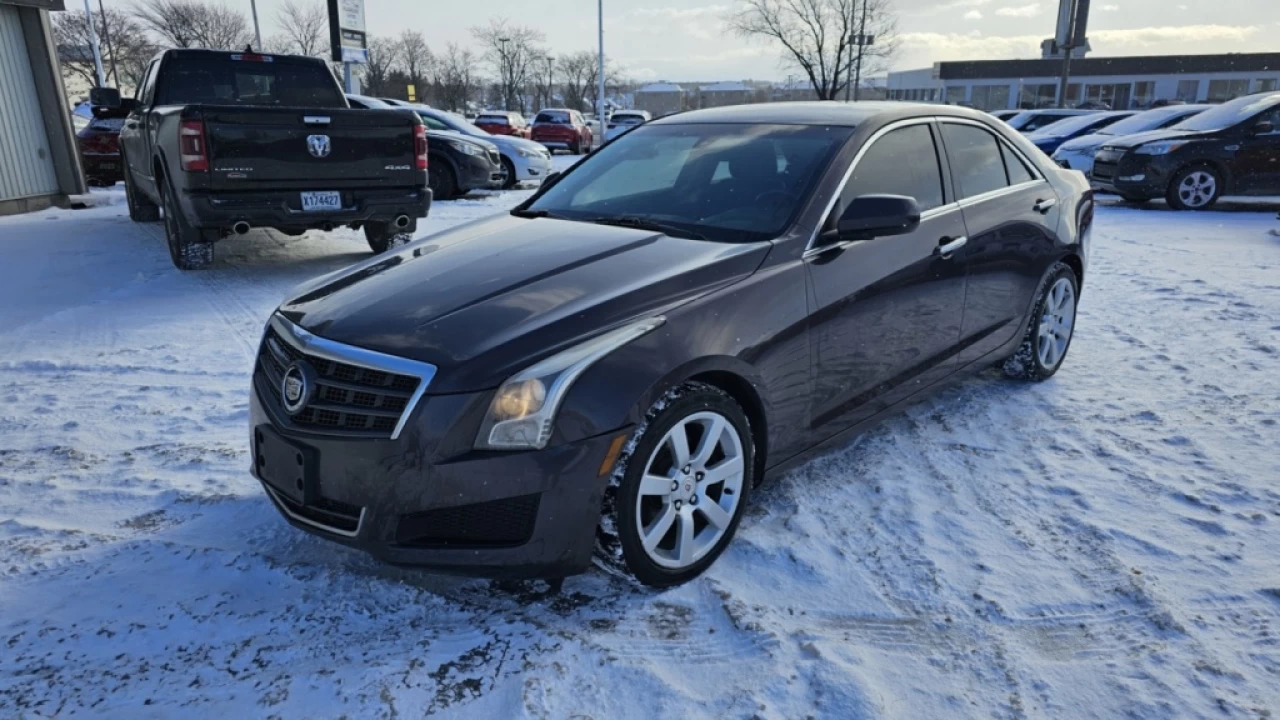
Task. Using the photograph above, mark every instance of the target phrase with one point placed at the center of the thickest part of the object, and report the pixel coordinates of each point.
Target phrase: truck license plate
(315, 201)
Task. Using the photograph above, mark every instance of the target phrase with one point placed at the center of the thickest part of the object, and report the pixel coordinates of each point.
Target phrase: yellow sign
(412, 93)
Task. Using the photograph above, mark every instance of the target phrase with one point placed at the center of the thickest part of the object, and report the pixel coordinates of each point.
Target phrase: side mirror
(1264, 127)
(872, 216)
(104, 97)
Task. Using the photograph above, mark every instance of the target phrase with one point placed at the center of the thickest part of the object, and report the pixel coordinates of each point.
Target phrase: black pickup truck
(227, 141)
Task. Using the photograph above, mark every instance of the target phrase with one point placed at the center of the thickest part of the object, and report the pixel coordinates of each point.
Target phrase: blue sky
(686, 40)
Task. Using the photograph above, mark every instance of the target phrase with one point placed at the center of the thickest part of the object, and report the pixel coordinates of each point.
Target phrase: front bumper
(1081, 160)
(283, 209)
(427, 499)
(479, 173)
(1130, 175)
(534, 168)
(103, 166)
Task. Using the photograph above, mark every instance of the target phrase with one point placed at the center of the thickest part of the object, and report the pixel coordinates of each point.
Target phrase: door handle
(947, 246)
(1043, 206)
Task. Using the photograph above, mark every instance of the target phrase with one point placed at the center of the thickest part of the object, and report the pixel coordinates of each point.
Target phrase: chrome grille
(495, 158)
(350, 398)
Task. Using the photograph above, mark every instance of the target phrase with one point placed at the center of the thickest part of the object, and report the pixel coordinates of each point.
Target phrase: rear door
(888, 310)
(1257, 165)
(1011, 213)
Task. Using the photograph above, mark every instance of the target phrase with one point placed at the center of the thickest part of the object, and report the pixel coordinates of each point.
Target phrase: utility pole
(93, 43)
(257, 33)
(106, 37)
(853, 8)
(862, 43)
(601, 120)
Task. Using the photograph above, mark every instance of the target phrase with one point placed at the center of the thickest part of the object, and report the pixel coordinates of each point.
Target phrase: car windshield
(722, 182)
(450, 122)
(552, 118)
(1143, 121)
(1228, 114)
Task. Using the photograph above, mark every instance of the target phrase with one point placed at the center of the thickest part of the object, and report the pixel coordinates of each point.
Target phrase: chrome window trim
(1035, 168)
(310, 344)
(1007, 190)
(275, 497)
(926, 215)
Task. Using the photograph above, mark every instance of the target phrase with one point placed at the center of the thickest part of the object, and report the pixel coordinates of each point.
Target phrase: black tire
(1027, 362)
(190, 248)
(1187, 190)
(619, 547)
(384, 236)
(576, 148)
(510, 167)
(442, 181)
(140, 208)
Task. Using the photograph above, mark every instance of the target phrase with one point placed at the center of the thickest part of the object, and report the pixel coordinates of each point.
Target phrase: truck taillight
(192, 149)
(420, 145)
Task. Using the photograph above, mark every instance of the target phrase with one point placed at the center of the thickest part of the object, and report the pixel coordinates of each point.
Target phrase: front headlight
(523, 411)
(522, 152)
(1159, 148)
(466, 148)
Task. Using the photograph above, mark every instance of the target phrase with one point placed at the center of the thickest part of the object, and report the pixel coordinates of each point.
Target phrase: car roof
(818, 113)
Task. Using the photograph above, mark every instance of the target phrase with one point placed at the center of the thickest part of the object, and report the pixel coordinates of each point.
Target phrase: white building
(1121, 82)
(39, 164)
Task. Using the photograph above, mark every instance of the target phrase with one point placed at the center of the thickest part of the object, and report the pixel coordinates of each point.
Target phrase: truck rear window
(216, 79)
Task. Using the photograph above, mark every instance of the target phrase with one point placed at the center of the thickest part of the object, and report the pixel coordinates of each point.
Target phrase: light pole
(93, 43)
(257, 33)
(600, 118)
(508, 81)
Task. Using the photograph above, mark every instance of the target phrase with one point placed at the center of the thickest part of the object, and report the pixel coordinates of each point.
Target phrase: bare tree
(194, 24)
(304, 28)
(817, 36)
(125, 58)
(510, 50)
(456, 77)
(576, 71)
(415, 58)
(544, 73)
(384, 55)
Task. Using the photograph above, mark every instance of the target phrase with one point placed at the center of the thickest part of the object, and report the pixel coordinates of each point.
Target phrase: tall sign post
(347, 41)
(1073, 21)
(601, 120)
(93, 43)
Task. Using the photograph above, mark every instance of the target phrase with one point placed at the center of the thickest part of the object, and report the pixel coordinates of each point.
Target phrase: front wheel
(1195, 188)
(510, 167)
(441, 181)
(140, 208)
(1049, 332)
(675, 501)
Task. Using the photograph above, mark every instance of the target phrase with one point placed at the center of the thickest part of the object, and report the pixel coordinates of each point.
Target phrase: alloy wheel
(1057, 320)
(691, 490)
(1197, 188)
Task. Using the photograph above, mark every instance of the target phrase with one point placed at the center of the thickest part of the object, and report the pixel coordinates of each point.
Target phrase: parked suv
(503, 123)
(1231, 149)
(1078, 154)
(562, 130)
(1050, 137)
(624, 120)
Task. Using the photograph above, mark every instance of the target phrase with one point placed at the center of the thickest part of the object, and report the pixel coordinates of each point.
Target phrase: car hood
(511, 142)
(486, 299)
(1132, 141)
(443, 135)
(1086, 142)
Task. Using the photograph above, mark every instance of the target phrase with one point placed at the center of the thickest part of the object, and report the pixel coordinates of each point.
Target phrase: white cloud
(1109, 8)
(973, 15)
(1021, 11)
(926, 47)
(1149, 36)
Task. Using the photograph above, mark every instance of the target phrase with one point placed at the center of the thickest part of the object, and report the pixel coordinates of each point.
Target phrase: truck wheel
(510, 167)
(384, 236)
(441, 181)
(140, 208)
(190, 248)
(576, 148)
(1196, 187)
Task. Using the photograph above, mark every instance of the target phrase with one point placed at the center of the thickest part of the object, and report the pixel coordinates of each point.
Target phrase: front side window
(724, 182)
(432, 123)
(903, 162)
(976, 162)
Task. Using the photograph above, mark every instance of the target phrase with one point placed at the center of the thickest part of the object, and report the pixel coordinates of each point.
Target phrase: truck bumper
(282, 209)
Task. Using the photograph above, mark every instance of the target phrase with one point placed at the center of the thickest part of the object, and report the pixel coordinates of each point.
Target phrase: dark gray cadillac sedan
(612, 367)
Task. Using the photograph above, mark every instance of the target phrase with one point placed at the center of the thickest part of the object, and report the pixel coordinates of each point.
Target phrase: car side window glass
(1018, 170)
(976, 162)
(149, 84)
(434, 124)
(902, 162)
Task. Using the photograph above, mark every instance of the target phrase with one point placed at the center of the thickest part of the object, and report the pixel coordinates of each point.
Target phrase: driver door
(887, 311)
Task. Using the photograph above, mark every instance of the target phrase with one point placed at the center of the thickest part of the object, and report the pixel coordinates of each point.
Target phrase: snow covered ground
(1106, 544)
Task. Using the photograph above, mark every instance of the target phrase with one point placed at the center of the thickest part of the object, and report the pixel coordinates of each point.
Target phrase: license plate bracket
(326, 201)
(288, 468)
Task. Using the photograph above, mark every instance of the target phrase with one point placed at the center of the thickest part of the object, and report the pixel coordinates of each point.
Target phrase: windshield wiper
(536, 214)
(628, 221)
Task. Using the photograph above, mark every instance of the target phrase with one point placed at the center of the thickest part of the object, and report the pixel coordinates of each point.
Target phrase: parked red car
(99, 144)
(503, 123)
(562, 130)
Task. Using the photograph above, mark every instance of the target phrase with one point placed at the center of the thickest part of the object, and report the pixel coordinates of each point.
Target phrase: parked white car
(1077, 154)
(624, 120)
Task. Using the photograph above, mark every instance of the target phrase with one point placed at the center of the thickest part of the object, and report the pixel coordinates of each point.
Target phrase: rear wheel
(1049, 332)
(675, 501)
(576, 148)
(384, 236)
(510, 167)
(190, 248)
(444, 186)
(140, 208)
(1195, 188)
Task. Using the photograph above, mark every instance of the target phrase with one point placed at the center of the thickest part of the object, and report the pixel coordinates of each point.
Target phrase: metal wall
(26, 160)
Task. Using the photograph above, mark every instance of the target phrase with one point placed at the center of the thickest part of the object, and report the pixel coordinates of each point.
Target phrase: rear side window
(217, 79)
(1018, 171)
(903, 162)
(976, 162)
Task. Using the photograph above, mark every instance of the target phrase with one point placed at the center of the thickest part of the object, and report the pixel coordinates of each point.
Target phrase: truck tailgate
(260, 148)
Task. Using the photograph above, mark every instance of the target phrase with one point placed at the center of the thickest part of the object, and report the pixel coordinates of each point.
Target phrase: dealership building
(1121, 82)
(39, 165)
